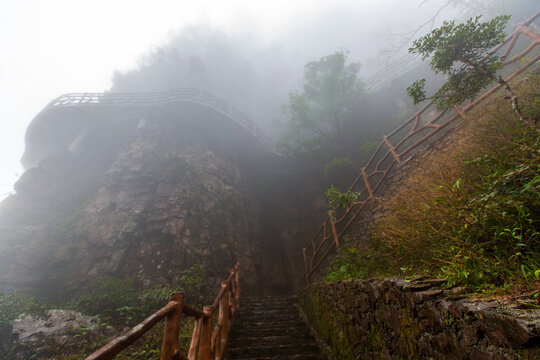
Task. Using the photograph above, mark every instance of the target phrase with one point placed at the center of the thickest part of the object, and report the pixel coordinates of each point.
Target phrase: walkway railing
(153, 99)
(393, 148)
(210, 334)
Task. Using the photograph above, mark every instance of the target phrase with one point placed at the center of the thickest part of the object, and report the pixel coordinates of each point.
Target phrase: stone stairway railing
(210, 334)
(394, 147)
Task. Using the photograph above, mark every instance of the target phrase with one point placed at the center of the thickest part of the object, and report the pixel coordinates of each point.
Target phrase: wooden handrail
(208, 341)
(381, 162)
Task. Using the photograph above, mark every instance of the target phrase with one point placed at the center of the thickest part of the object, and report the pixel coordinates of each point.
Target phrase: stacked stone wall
(395, 318)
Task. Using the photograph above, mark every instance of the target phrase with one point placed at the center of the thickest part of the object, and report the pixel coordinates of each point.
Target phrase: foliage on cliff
(473, 216)
(463, 54)
(326, 102)
(116, 304)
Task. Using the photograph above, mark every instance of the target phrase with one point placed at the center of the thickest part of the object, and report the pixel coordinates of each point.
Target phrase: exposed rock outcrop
(152, 200)
(54, 324)
(37, 335)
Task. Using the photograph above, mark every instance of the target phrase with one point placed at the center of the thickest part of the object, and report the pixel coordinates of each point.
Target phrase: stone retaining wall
(418, 319)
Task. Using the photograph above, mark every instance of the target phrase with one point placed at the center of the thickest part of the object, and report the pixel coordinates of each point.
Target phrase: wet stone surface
(396, 318)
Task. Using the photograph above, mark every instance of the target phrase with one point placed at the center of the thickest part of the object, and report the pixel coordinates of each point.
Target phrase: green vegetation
(462, 53)
(350, 264)
(339, 200)
(472, 217)
(469, 44)
(337, 164)
(329, 325)
(116, 304)
(119, 303)
(330, 116)
(11, 306)
(329, 92)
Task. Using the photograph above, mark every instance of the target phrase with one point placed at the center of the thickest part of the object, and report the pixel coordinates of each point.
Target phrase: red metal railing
(402, 141)
(208, 341)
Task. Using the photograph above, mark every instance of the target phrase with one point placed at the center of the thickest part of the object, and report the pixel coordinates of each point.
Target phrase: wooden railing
(208, 341)
(394, 147)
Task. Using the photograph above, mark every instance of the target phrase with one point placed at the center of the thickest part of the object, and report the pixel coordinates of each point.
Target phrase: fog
(251, 54)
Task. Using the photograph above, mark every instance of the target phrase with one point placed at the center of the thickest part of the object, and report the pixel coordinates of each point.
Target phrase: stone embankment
(395, 318)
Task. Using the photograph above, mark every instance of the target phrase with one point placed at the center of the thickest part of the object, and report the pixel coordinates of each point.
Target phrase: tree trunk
(514, 101)
(513, 97)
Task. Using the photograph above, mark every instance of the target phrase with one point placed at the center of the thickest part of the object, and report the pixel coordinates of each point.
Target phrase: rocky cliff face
(159, 198)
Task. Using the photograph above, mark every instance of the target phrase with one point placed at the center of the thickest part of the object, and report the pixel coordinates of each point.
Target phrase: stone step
(270, 328)
(261, 327)
(268, 310)
(268, 302)
(270, 321)
(298, 338)
(280, 357)
(290, 309)
(267, 317)
(266, 307)
(268, 331)
(270, 297)
(274, 350)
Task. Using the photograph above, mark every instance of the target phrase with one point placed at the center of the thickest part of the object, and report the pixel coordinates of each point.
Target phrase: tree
(319, 112)
(462, 52)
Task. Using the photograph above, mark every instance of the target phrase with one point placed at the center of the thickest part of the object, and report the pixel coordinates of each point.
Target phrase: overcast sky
(51, 47)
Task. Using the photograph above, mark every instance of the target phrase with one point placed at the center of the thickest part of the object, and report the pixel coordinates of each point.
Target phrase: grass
(472, 215)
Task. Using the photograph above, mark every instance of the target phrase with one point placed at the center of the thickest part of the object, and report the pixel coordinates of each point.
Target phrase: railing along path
(402, 141)
(155, 99)
(210, 335)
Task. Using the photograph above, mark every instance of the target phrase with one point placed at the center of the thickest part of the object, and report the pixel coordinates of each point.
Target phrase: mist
(256, 71)
(251, 55)
(196, 136)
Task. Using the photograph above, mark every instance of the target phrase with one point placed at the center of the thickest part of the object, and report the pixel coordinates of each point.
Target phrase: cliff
(117, 194)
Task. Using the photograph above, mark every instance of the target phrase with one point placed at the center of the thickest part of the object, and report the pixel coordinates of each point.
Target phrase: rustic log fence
(417, 130)
(210, 334)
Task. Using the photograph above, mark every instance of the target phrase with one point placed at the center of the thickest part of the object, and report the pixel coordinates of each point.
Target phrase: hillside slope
(467, 209)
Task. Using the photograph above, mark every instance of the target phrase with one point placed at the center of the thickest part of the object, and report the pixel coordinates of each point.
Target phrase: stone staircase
(270, 328)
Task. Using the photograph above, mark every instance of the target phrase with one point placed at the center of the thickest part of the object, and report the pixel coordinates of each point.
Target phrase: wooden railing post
(205, 351)
(205, 343)
(195, 339)
(224, 311)
(304, 252)
(237, 284)
(334, 231)
(232, 292)
(220, 332)
(169, 347)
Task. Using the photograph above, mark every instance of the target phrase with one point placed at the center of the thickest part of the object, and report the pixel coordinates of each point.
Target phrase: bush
(120, 302)
(11, 306)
